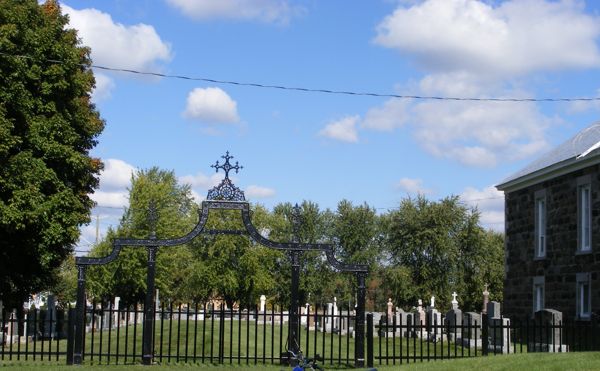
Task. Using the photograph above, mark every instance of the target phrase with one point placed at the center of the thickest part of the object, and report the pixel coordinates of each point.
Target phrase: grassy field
(193, 341)
(529, 362)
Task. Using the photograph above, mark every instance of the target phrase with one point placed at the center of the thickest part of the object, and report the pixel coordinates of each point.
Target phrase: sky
(296, 145)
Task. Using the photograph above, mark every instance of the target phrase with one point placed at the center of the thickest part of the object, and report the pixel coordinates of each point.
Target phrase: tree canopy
(423, 248)
(48, 126)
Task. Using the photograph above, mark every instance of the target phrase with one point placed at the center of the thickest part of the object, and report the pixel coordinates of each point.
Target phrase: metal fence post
(369, 339)
(148, 327)
(70, 334)
(484, 334)
(80, 317)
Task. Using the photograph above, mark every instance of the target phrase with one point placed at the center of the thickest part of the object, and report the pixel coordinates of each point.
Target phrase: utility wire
(313, 90)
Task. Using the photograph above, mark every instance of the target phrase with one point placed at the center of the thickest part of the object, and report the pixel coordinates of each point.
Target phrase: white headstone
(263, 301)
(454, 301)
(116, 311)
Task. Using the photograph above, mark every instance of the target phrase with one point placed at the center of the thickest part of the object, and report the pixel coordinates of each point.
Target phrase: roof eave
(560, 168)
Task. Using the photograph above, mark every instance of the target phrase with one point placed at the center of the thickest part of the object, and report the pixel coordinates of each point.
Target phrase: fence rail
(202, 334)
(405, 342)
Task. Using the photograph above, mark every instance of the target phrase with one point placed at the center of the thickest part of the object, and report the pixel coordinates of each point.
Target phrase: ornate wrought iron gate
(225, 196)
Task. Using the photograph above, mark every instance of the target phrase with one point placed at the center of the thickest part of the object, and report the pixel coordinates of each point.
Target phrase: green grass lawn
(239, 342)
(529, 362)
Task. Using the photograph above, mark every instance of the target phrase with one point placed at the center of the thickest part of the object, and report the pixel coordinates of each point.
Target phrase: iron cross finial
(152, 218)
(227, 167)
(296, 222)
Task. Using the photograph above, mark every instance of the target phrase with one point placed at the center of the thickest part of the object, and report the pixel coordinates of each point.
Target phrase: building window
(584, 300)
(540, 224)
(538, 293)
(584, 214)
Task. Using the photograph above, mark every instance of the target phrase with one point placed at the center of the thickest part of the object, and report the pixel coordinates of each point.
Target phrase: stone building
(552, 248)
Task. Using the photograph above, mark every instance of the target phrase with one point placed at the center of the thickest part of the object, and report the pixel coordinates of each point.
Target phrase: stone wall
(562, 261)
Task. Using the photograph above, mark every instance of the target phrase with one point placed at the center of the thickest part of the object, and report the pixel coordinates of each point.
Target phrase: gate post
(359, 343)
(80, 316)
(147, 346)
(293, 342)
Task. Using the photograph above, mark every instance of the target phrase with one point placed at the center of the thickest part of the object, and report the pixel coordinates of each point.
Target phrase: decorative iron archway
(225, 196)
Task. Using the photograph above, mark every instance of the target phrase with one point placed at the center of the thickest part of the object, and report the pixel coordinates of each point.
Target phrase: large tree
(175, 216)
(48, 126)
(437, 247)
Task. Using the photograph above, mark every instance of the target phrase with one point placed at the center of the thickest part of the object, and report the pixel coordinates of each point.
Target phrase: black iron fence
(204, 334)
(36, 335)
(402, 340)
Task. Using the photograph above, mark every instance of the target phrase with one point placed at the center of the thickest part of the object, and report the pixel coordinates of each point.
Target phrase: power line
(314, 90)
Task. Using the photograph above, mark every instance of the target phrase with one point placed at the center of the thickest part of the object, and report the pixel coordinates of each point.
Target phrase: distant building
(552, 248)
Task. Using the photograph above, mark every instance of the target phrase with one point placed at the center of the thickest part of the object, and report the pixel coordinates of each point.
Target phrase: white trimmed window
(538, 293)
(584, 214)
(584, 299)
(540, 224)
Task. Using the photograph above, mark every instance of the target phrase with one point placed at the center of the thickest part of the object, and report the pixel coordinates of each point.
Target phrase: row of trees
(423, 248)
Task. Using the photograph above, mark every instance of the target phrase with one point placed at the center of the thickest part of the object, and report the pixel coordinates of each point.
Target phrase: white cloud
(512, 38)
(116, 45)
(111, 199)
(116, 174)
(272, 11)
(211, 105)
(201, 180)
(412, 186)
(490, 203)
(104, 87)
(254, 191)
(583, 106)
(114, 180)
(343, 130)
(480, 133)
(391, 115)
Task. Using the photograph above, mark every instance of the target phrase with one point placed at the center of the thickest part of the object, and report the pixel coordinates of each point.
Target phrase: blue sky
(298, 146)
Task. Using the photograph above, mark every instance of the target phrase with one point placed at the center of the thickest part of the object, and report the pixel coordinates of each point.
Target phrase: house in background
(552, 226)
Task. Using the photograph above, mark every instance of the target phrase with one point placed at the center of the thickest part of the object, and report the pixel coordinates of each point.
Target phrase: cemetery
(159, 332)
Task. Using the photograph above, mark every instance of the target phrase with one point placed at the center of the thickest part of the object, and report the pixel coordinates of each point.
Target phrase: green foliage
(424, 248)
(47, 128)
(436, 248)
(176, 215)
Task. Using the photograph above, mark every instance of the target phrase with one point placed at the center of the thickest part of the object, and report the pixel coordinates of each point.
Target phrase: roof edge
(560, 168)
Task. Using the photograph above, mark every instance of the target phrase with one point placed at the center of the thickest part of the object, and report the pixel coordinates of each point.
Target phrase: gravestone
(304, 314)
(486, 296)
(454, 302)
(50, 318)
(548, 333)
(471, 331)
(263, 302)
(499, 329)
(157, 301)
(377, 323)
(401, 322)
(434, 322)
(116, 321)
(453, 323)
(336, 319)
(420, 319)
(493, 310)
(12, 325)
(390, 311)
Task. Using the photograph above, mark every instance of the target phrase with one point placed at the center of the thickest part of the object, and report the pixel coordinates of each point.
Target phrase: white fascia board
(550, 172)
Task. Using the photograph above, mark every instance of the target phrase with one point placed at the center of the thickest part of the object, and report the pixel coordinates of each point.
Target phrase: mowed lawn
(529, 362)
